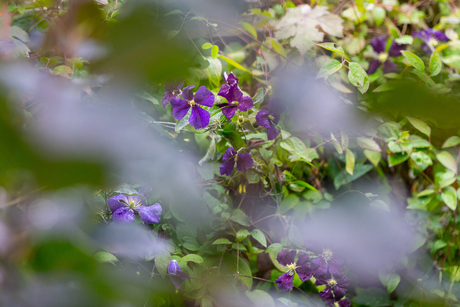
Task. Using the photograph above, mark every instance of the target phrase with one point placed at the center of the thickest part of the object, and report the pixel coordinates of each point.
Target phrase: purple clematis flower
(236, 101)
(269, 118)
(379, 45)
(173, 90)
(327, 263)
(176, 274)
(125, 207)
(301, 267)
(334, 287)
(243, 161)
(431, 38)
(199, 117)
(331, 302)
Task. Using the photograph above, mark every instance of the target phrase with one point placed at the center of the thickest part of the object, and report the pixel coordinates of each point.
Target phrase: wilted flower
(379, 45)
(172, 91)
(431, 39)
(176, 274)
(124, 208)
(243, 161)
(236, 101)
(335, 287)
(269, 118)
(199, 117)
(301, 267)
(327, 263)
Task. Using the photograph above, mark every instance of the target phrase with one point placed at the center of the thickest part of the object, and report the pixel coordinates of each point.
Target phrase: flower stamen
(235, 103)
(192, 103)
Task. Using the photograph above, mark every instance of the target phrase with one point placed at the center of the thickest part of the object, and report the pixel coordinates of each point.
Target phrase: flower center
(271, 117)
(433, 42)
(332, 282)
(192, 103)
(336, 304)
(133, 203)
(291, 268)
(383, 57)
(235, 103)
(327, 254)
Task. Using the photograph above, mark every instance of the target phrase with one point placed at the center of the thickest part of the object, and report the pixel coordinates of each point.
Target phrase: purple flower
(335, 287)
(379, 45)
(236, 101)
(176, 274)
(125, 207)
(199, 117)
(301, 267)
(172, 91)
(431, 38)
(243, 161)
(326, 263)
(269, 118)
(331, 302)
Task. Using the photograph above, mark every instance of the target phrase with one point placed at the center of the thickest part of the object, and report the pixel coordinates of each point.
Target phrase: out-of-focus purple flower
(176, 274)
(199, 117)
(379, 45)
(172, 91)
(236, 101)
(335, 287)
(326, 262)
(269, 118)
(243, 161)
(431, 38)
(333, 302)
(125, 207)
(301, 267)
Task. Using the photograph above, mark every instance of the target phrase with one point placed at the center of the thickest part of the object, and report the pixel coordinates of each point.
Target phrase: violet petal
(180, 108)
(123, 216)
(244, 161)
(150, 214)
(245, 103)
(199, 117)
(284, 282)
(204, 97)
(286, 257)
(117, 202)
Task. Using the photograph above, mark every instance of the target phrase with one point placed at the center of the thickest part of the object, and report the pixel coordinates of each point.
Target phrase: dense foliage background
(229, 153)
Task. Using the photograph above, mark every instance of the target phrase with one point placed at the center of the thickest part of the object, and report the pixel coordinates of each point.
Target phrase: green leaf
(260, 298)
(206, 46)
(405, 40)
(420, 125)
(344, 140)
(192, 257)
(438, 244)
(452, 141)
(62, 70)
(277, 46)
(449, 197)
(183, 122)
(397, 159)
(105, 257)
(215, 51)
(350, 164)
(336, 144)
(162, 261)
(391, 281)
(238, 216)
(222, 241)
(214, 70)
(332, 47)
(259, 237)
(231, 260)
(249, 28)
(365, 87)
(373, 297)
(379, 14)
(380, 204)
(414, 60)
(233, 63)
(356, 74)
(288, 203)
(446, 159)
(275, 247)
(435, 64)
(329, 68)
(241, 235)
(373, 156)
(296, 147)
(452, 60)
(369, 144)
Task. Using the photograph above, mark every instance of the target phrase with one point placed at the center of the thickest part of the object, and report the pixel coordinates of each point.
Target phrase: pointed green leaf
(356, 74)
(192, 258)
(452, 141)
(446, 159)
(350, 161)
(329, 68)
(449, 197)
(369, 144)
(414, 60)
(336, 144)
(420, 125)
(332, 47)
(215, 51)
(221, 241)
(373, 156)
(435, 64)
(206, 46)
(233, 63)
(259, 237)
(249, 28)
